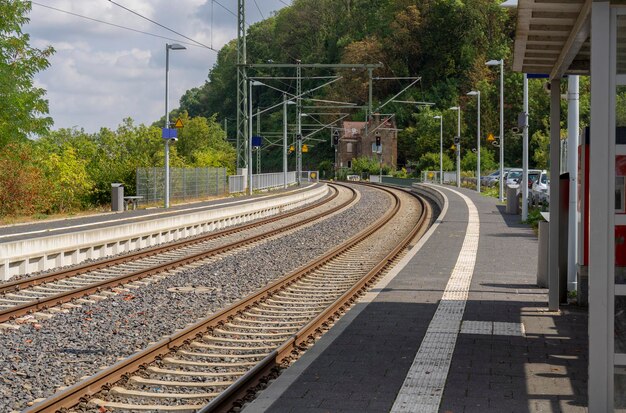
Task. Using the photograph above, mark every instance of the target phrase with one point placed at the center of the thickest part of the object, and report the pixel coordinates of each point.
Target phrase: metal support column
(285, 124)
(249, 138)
(573, 122)
(242, 90)
(299, 122)
(458, 148)
(555, 193)
(258, 133)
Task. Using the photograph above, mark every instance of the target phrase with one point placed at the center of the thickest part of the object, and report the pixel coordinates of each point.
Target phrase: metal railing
(238, 183)
(185, 183)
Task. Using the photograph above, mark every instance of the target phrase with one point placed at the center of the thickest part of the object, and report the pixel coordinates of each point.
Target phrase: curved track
(34, 294)
(216, 360)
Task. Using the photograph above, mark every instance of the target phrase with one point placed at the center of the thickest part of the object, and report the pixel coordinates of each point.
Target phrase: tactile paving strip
(423, 386)
(496, 328)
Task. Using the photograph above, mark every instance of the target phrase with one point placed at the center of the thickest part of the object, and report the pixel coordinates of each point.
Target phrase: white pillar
(555, 195)
(572, 167)
(524, 154)
(601, 297)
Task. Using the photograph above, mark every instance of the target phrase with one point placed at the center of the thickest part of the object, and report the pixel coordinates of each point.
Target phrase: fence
(185, 183)
(449, 177)
(400, 181)
(238, 183)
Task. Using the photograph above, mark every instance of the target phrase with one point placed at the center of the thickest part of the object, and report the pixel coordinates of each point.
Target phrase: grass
(534, 216)
(492, 191)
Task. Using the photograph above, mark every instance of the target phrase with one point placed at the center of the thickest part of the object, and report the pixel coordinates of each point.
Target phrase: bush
(23, 186)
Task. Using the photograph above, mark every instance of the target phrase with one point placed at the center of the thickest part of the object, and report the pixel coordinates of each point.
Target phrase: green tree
(23, 108)
(23, 186)
(368, 165)
(69, 184)
(540, 156)
(202, 142)
(487, 161)
(430, 162)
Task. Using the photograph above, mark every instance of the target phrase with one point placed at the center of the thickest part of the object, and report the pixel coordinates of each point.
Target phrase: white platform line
(424, 384)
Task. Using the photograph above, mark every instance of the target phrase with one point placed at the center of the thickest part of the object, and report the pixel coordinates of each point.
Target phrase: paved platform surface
(63, 226)
(509, 354)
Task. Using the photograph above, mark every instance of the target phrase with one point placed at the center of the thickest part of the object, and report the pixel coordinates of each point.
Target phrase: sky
(101, 74)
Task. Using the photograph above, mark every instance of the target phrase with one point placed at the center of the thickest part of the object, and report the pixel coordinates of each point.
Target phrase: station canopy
(553, 37)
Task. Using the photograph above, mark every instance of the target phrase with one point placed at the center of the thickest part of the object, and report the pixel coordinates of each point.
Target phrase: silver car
(540, 190)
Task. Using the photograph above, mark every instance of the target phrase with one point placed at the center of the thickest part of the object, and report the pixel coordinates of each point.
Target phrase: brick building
(358, 139)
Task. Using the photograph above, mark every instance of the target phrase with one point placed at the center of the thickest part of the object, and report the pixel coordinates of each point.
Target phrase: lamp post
(477, 94)
(380, 157)
(440, 117)
(250, 84)
(458, 146)
(501, 64)
(168, 47)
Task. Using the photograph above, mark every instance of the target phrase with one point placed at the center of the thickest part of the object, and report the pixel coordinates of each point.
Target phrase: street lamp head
(455, 108)
(494, 63)
(437, 117)
(176, 46)
(256, 83)
(473, 93)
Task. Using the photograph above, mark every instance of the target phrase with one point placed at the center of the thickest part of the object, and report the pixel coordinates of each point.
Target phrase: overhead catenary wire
(259, 9)
(115, 25)
(160, 25)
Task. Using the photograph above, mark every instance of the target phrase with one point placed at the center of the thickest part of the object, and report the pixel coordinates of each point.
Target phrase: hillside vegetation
(445, 42)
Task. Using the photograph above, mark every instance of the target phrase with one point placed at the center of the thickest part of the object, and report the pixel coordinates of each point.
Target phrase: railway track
(32, 295)
(216, 360)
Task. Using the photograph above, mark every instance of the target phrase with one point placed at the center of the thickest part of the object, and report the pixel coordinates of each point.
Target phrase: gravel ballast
(40, 358)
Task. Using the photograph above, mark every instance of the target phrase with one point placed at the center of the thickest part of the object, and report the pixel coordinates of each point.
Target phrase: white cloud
(100, 74)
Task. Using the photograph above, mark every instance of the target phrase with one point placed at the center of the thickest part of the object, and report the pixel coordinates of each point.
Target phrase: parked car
(488, 180)
(540, 190)
(514, 177)
(493, 178)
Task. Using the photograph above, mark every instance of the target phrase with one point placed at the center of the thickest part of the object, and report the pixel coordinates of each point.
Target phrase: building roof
(552, 37)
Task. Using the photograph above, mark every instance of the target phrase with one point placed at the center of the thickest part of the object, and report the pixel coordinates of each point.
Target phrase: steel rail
(224, 402)
(109, 262)
(58, 299)
(105, 379)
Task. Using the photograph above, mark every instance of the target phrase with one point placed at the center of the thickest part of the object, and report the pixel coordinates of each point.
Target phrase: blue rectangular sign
(257, 141)
(169, 133)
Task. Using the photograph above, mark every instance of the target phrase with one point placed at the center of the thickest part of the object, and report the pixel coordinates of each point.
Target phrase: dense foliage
(445, 42)
(70, 169)
(23, 108)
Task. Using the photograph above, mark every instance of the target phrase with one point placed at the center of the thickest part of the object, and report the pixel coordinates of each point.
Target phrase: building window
(349, 147)
(349, 163)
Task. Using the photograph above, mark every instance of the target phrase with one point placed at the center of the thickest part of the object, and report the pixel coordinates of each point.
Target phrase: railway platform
(459, 326)
(31, 230)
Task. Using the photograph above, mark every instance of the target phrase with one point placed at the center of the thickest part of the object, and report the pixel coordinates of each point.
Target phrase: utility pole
(258, 133)
(299, 123)
(242, 90)
(285, 124)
